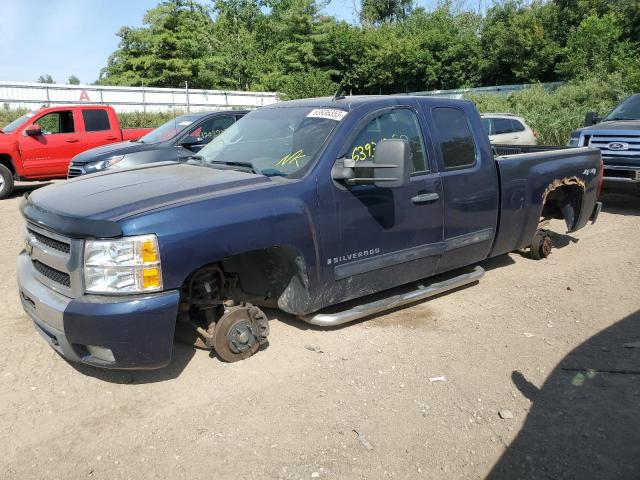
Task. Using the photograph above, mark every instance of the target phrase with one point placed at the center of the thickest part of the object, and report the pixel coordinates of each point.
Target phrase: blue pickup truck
(308, 206)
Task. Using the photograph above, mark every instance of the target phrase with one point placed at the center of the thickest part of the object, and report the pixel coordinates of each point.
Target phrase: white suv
(507, 129)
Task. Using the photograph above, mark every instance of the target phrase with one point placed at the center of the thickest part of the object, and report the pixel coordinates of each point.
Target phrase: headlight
(102, 164)
(126, 265)
(574, 140)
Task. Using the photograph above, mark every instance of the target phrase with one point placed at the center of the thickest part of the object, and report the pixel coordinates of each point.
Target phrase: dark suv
(177, 139)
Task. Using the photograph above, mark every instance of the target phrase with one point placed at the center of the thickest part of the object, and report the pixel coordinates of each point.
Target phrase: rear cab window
(95, 120)
(457, 144)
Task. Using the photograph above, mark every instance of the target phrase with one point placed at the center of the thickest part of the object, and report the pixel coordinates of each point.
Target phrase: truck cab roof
(353, 102)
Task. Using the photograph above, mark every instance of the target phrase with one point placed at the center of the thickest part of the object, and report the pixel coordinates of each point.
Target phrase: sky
(75, 37)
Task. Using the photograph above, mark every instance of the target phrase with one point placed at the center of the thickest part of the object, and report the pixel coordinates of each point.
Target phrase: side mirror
(591, 118)
(192, 143)
(389, 169)
(34, 131)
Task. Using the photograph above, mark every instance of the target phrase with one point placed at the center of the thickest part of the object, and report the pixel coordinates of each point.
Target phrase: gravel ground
(537, 383)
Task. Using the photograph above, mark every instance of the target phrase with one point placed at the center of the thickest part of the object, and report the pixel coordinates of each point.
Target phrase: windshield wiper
(205, 162)
(272, 172)
(619, 118)
(233, 164)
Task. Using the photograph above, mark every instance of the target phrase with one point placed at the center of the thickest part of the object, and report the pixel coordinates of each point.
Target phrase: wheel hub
(242, 336)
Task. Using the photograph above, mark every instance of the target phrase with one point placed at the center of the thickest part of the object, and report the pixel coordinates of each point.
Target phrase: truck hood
(6, 138)
(619, 125)
(112, 196)
(113, 149)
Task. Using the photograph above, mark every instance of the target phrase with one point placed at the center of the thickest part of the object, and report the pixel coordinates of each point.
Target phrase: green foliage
(73, 80)
(316, 83)
(520, 43)
(175, 46)
(8, 115)
(376, 12)
(555, 114)
(597, 47)
(46, 78)
(291, 47)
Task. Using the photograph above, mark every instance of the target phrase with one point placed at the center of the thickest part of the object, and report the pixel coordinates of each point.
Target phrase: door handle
(112, 138)
(72, 140)
(425, 198)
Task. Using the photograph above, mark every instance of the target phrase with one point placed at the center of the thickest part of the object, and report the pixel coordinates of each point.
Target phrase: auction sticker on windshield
(329, 113)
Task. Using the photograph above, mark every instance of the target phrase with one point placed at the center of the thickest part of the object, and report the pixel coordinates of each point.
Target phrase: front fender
(210, 230)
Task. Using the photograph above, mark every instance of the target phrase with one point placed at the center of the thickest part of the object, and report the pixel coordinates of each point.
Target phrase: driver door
(48, 155)
(376, 238)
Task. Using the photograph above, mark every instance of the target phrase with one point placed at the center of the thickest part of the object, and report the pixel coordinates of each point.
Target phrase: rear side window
(95, 120)
(503, 125)
(456, 141)
(517, 126)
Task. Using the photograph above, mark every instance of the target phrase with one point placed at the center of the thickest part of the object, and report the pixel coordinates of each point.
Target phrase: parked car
(302, 206)
(617, 136)
(508, 129)
(39, 145)
(177, 139)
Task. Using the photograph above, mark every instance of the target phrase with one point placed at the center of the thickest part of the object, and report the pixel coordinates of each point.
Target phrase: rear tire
(6, 182)
(541, 245)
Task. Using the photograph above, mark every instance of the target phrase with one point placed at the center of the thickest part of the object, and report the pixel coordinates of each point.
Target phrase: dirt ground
(541, 344)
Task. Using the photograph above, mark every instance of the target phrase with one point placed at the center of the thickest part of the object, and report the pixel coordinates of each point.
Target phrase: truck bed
(527, 178)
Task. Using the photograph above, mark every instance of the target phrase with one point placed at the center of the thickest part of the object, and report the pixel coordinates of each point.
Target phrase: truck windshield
(168, 130)
(629, 109)
(274, 141)
(17, 122)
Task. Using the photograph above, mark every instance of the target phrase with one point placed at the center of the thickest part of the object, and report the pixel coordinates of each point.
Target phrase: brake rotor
(239, 332)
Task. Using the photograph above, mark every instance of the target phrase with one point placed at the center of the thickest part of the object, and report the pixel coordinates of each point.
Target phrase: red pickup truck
(39, 145)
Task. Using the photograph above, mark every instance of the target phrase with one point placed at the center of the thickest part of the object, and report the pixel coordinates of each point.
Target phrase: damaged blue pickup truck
(308, 206)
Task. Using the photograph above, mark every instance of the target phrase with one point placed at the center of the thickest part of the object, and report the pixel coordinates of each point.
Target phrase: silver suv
(508, 129)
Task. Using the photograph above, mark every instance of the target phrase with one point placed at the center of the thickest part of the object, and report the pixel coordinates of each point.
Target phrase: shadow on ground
(621, 204)
(20, 189)
(182, 355)
(585, 420)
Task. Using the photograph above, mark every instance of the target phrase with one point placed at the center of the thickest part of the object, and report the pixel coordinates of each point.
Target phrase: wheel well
(272, 277)
(563, 200)
(6, 161)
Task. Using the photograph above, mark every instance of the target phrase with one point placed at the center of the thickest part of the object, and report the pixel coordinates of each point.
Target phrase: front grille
(51, 242)
(52, 274)
(74, 172)
(604, 143)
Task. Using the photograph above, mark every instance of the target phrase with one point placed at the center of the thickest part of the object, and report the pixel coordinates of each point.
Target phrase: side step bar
(419, 293)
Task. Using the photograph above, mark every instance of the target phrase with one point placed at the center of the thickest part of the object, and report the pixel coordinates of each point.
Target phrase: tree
(73, 80)
(314, 83)
(518, 41)
(46, 78)
(175, 45)
(376, 12)
(596, 48)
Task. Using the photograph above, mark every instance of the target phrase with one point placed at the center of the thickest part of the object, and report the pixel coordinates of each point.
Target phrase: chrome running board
(365, 309)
